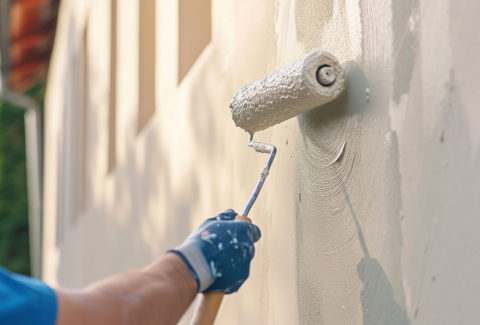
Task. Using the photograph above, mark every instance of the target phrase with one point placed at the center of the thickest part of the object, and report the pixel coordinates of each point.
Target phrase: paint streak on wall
(327, 161)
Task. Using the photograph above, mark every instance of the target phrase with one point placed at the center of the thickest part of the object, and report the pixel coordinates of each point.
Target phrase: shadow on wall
(150, 213)
(378, 301)
(379, 306)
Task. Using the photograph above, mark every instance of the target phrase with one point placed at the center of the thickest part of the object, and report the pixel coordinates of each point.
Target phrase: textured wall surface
(385, 231)
(370, 214)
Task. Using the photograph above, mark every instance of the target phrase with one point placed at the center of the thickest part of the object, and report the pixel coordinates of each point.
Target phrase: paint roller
(311, 81)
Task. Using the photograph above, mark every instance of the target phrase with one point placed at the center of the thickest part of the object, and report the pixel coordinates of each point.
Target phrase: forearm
(157, 294)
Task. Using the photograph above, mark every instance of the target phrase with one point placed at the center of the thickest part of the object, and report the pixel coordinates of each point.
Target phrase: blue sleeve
(25, 300)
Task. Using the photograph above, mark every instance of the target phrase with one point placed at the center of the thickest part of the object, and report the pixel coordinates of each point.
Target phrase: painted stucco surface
(385, 234)
(370, 214)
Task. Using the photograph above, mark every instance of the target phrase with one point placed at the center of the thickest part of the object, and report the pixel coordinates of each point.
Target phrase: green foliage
(14, 236)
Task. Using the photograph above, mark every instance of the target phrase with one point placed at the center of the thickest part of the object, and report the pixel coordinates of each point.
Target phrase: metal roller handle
(263, 148)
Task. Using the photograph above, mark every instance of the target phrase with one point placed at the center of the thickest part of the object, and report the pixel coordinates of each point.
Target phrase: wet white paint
(260, 147)
(286, 93)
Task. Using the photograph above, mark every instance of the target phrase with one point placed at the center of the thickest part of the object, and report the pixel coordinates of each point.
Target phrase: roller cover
(286, 92)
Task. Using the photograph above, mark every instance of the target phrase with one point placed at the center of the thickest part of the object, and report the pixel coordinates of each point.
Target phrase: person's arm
(215, 257)
(158, 294)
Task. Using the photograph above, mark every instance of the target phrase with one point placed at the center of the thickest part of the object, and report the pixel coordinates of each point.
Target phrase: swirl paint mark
(325, 168)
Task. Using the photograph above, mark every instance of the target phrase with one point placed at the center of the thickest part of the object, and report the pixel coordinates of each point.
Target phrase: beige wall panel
(146, 61)
(194, 32)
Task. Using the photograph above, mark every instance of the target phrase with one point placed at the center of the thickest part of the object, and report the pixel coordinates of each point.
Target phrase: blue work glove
(219, 252)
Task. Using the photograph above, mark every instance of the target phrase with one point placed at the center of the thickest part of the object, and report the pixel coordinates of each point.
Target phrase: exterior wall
(370, 213)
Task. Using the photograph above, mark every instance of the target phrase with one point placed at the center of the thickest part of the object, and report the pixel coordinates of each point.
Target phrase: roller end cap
(326, 75)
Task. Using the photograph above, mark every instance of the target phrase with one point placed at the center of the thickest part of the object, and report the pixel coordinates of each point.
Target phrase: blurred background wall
(370, 213)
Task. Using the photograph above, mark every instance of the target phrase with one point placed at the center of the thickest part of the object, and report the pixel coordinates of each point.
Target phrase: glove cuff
(196, 263)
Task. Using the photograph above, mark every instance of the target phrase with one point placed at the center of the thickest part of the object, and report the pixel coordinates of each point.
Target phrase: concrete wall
(371, 212)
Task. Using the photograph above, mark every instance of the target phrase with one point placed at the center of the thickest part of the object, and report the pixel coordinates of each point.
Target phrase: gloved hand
(219, 252)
